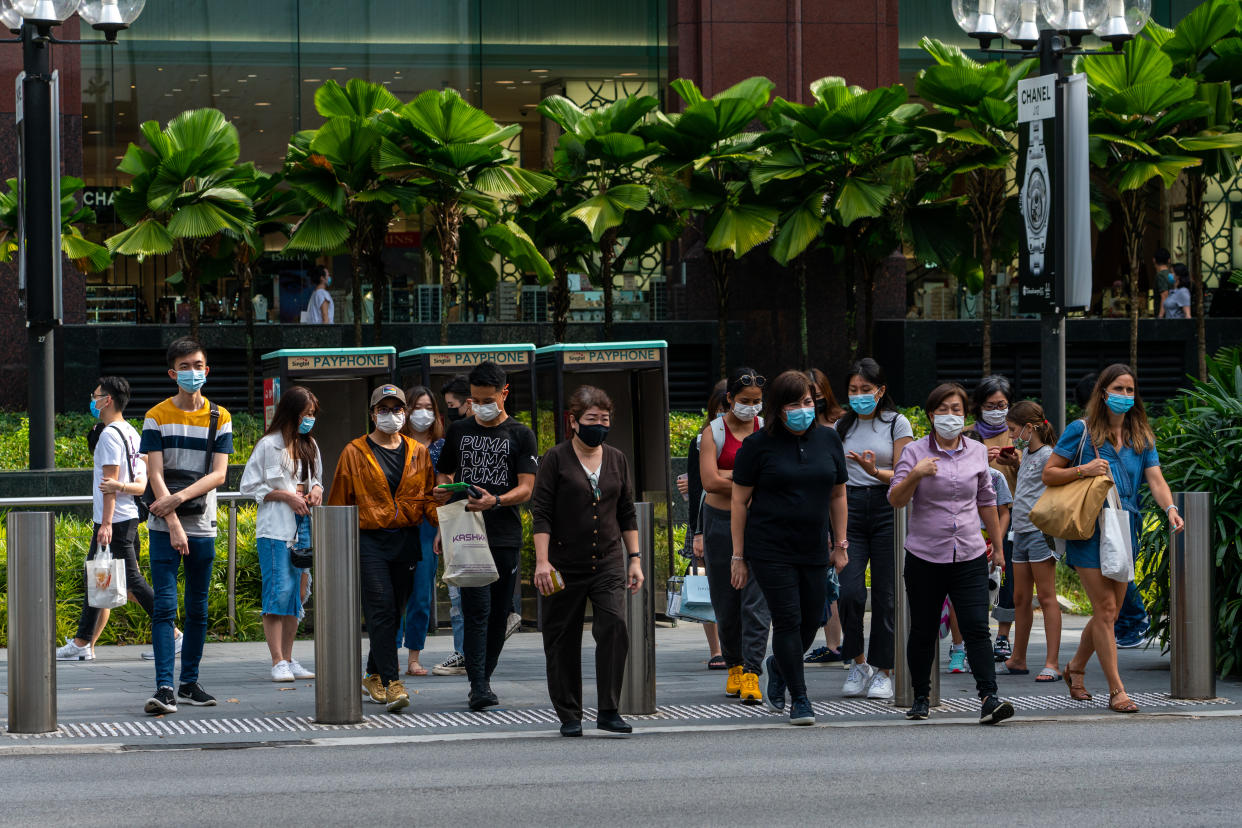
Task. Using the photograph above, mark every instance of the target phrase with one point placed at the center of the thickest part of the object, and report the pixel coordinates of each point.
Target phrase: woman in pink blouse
(945, 481)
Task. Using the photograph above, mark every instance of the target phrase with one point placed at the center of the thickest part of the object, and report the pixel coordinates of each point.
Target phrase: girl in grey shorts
(1034, 560)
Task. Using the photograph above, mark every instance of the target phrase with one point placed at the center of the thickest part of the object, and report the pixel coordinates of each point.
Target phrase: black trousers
(966, 585)
(870, 535)
(125, 546)
(485, 612)
(563, 614)
(386, 587)
(795, 596)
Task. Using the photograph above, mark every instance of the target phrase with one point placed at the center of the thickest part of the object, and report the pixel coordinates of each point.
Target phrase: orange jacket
(360, 482)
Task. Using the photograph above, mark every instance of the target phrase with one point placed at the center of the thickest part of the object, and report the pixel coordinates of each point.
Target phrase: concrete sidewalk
(101, 701)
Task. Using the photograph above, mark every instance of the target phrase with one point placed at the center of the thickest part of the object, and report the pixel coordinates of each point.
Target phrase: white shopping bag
(105, 581)
(468, 559)
(1116, 550)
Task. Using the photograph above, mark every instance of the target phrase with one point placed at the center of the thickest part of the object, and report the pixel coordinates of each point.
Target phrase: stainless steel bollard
(32, 622)
(903, 689)
(1192, 563)
(338, 612)
(638, 687)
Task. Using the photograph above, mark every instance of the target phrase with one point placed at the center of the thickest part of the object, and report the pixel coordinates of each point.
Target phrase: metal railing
(231, 498)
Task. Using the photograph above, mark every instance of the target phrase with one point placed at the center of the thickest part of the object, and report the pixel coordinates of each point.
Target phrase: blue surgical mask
(1120, 403)
(191, 381)
(800, 419)
(720, 415)
(327, 282)
(862, 403)
(94, 409)
(306, 425)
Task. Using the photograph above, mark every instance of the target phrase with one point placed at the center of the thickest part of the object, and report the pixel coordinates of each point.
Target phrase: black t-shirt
(391, 462)
(793, 477)
(491, 459)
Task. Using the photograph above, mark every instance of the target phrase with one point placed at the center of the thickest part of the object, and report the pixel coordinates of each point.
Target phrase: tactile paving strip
(278, 726)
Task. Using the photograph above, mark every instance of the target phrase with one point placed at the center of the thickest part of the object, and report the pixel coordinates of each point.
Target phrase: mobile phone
(455, 487)
(1009, 451)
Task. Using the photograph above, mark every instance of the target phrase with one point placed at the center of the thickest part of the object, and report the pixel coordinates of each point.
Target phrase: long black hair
(285, 422)
(870, 370)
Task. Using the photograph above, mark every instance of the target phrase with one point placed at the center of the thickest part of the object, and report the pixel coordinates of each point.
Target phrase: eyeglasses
(385, 410)
(747, 380)
(100, 396)
(996, 406)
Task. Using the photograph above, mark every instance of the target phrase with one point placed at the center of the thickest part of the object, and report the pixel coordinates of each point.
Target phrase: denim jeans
(1131, 615)
(457, 620)
(413, 626)
(486, 610)
(165, 564)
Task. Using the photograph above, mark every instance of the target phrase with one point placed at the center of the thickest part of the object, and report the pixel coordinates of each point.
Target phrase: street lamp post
(38, 125)
(1054, 191)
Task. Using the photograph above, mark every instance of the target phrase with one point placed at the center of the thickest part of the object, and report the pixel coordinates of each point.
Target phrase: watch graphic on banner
(1036, 197)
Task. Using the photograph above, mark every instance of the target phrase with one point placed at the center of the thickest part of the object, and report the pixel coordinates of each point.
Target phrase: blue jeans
(456, 618)
(165, 563)
(1131, 615)
(412, 629)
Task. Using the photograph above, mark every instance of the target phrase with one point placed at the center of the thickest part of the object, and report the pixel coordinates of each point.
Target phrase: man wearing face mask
(456, 398)
(498, 457)
(187, 441)
(389, 477)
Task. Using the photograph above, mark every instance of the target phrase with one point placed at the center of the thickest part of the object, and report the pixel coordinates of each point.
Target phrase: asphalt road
(1125, 772)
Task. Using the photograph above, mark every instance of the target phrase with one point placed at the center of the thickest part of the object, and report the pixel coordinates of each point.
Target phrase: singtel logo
(466, 537)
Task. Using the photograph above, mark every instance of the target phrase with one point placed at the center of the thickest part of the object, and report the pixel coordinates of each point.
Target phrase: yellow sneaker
(373, 688)
(733, 683)
(397, 698)
(750, 689)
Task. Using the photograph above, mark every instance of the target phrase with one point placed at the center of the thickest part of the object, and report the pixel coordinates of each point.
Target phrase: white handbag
(1116, 543)
(468, 559)
(105, 581)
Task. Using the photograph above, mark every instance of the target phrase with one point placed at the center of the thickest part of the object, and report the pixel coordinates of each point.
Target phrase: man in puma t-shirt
(498, 456)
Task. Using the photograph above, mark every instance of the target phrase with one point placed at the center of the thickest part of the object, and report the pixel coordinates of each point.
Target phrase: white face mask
(390, 423)
(996, 418)
(422, 419)
(949, 426)
(746, 413)
(485, 412)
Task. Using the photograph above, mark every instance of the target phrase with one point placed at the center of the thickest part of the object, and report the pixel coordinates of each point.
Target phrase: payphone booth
(342, 379)
(635, 376)
(434, 365)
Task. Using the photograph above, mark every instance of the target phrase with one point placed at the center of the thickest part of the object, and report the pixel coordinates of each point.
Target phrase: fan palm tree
(184, 197)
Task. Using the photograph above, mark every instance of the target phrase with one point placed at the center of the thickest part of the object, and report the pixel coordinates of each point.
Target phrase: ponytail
(1029, 413)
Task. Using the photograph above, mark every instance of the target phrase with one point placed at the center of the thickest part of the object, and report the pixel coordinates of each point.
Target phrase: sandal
(1128, 707)
(1078, 693)
(717, 663)
(415, 669)
(1048, 674)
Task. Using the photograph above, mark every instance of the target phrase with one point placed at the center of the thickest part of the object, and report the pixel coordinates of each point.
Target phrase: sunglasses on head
(747, 380)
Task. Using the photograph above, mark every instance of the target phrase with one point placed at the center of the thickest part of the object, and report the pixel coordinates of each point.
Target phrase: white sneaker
(513, 624)
(281, 671)
(72, 652)
(881, 686)
(149, 655)
(299, 672)
(856, 680)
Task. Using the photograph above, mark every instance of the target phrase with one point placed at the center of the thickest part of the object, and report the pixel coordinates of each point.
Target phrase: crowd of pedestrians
(791, 502)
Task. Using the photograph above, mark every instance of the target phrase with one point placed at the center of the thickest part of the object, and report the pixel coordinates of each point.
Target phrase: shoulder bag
(1071, 511)
(177, 479)
(143, 512)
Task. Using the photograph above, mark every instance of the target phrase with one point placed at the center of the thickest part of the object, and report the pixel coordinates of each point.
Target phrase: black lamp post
(38, 125)
(1065, 24)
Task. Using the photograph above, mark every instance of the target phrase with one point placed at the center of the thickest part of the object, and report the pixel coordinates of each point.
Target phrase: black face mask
(453, 415)
(592, 435)
(821, 407)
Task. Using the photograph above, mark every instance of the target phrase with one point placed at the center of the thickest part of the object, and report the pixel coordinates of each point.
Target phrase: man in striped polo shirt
(187, 441)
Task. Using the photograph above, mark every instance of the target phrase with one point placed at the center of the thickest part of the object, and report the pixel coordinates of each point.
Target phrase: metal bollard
(638, 690)
(338, 610)
(1192, 645)
(32, 622)
(903, 689)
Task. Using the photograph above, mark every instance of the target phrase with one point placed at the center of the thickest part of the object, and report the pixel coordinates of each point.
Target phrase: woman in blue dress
(1119, 442)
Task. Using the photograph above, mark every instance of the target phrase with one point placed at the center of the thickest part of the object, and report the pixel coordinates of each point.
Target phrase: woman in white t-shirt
(874, 433)
(321, 309)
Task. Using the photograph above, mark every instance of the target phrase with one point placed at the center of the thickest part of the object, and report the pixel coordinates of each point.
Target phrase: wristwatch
(496, 505)
(1036, 197)
(845, 544)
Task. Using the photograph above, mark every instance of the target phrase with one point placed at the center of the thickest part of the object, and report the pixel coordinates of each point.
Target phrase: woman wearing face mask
(285, 460)
(946, 482)
(874, 434)
(424, 424)
(789, 485)
(388, 476)
(742, 619)
(827, 413)
(586, 532)
(1118, 442)
(989, 406)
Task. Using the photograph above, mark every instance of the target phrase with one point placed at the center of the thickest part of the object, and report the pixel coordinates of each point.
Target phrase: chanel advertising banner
(1037, 136)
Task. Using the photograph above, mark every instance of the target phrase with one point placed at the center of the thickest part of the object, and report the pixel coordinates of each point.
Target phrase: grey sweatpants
(742, 617)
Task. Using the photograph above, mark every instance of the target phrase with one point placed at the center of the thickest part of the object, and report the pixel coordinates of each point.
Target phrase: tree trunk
(189, 281)
(868, 342)
(1132, 204)
(355, 265)
(447, 217)
(247, 294)
(560, 303)
(804, 345)
(1196, 220)
(607, 253)
(986, 263)
(720, 276)
(987, 205)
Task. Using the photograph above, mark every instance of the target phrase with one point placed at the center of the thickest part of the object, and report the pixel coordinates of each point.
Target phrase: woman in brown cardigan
(583, 509)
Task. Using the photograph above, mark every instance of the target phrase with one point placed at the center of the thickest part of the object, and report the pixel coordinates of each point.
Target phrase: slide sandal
(1048, 674)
